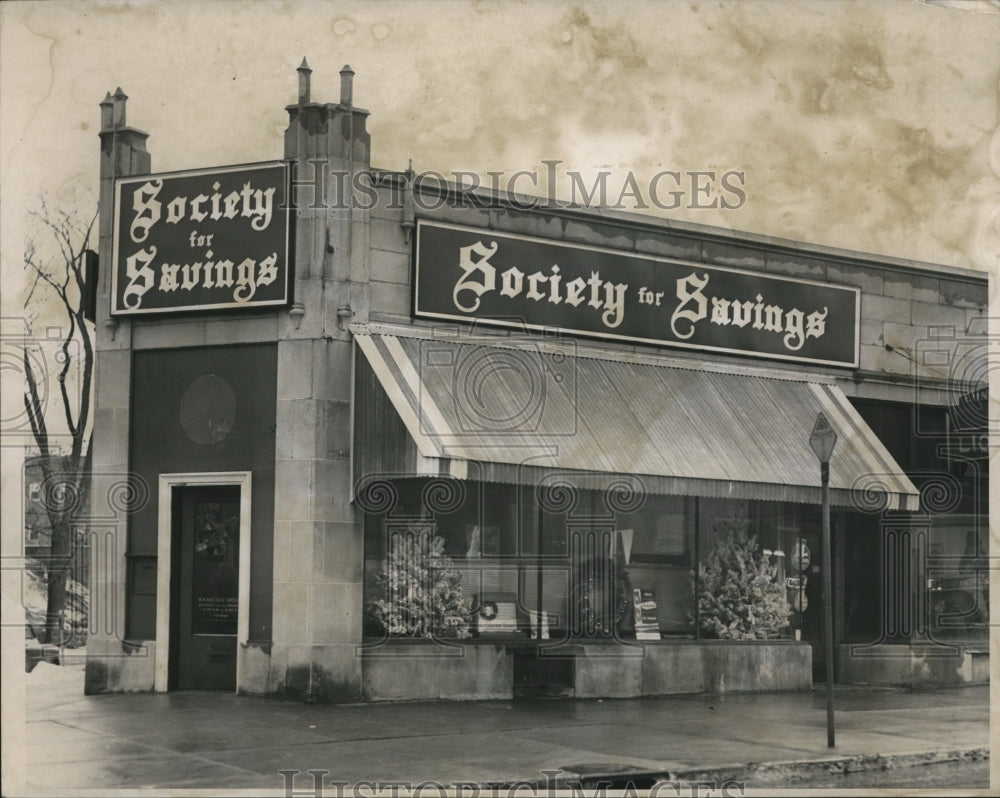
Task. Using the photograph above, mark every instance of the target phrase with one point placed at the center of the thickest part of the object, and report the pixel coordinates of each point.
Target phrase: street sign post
(822, 440)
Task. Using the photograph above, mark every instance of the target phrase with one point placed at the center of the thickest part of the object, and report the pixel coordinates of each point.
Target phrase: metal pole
(827, 603)
(802, 577)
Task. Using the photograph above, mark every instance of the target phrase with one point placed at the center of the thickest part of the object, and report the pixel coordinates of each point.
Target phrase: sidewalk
(213, 740)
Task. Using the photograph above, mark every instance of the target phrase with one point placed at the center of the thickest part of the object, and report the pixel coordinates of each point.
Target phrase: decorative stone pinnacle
(107, 111)
(118, 108)
(305, 74)
(346, 85)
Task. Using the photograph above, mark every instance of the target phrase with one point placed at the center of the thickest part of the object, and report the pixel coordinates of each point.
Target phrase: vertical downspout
(697, 564)
(346, 99)
(538, 577)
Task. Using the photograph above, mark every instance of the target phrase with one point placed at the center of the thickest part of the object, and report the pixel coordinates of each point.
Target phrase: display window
(530, 561)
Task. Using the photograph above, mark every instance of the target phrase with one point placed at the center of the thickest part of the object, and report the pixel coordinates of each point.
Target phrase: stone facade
(352, 266)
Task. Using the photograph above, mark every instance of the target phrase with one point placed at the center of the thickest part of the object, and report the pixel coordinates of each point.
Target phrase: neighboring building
(539, 386)
(37, 530)
(43, 482)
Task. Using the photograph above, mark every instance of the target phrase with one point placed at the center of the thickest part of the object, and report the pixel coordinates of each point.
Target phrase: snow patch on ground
(46, 673)
(33, 592)
(34, 598)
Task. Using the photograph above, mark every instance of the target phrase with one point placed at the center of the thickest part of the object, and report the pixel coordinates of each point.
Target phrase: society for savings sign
(465, 273)
(201, 240)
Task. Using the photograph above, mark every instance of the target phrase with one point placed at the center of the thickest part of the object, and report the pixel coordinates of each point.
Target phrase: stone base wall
(618, 671)
(253, 669)
(114, 666)
(425, 671)
(401, 671)
(912, 665)
(419, 671)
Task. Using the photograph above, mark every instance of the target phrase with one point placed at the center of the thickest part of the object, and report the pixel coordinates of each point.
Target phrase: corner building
(576, 403)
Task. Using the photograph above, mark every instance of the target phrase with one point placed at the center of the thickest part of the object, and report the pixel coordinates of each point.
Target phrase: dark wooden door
(207, 558)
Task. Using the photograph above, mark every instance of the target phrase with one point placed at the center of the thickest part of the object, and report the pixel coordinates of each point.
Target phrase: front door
(206, 557)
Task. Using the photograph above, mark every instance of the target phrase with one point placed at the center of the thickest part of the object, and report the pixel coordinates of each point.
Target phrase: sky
(869, 125)
(865, 125)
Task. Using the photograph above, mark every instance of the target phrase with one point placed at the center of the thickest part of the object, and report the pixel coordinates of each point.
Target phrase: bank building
(395, 438)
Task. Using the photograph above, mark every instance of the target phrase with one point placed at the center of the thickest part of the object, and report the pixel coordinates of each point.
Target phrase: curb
(790, 771)
(830, 766)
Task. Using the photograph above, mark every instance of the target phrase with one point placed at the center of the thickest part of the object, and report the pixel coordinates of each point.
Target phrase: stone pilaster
(318, 544)
(111, 663)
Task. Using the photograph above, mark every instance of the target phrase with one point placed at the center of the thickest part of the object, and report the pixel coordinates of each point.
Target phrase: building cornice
(479, 198)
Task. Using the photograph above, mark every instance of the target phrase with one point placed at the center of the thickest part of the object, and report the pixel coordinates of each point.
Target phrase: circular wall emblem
(208, 410)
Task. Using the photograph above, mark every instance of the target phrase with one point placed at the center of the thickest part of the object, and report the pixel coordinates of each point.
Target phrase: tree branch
(33, 404)
(61, 266)
(67, 362)
(72, 269)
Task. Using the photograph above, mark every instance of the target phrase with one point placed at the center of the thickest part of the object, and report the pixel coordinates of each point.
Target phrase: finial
(346, 85)
(118, 110)
(107, 109)
(304, 81)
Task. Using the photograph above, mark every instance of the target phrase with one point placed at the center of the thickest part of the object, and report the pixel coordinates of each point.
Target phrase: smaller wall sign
(201, 240)
(215, 615)
(644, 606)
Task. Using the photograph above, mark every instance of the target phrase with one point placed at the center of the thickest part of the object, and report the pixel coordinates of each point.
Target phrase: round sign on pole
(801, 556)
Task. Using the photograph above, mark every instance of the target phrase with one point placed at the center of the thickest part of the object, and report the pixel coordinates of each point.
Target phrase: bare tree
(59, 269)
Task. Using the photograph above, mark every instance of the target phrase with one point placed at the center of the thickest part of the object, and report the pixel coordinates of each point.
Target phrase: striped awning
(535, 410)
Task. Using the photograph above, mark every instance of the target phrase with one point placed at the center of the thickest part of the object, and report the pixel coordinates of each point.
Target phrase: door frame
(164, 526)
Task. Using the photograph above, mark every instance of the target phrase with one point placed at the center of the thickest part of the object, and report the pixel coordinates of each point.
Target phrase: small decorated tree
(738, 598)
(420, 592)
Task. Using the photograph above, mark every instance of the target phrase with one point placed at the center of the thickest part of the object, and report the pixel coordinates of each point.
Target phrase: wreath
(603, 598)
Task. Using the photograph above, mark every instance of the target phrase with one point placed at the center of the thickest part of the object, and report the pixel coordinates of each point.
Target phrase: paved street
(203, 740)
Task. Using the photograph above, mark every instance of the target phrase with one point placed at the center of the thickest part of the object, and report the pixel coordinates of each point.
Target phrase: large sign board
(468, 273)
(209, 239)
